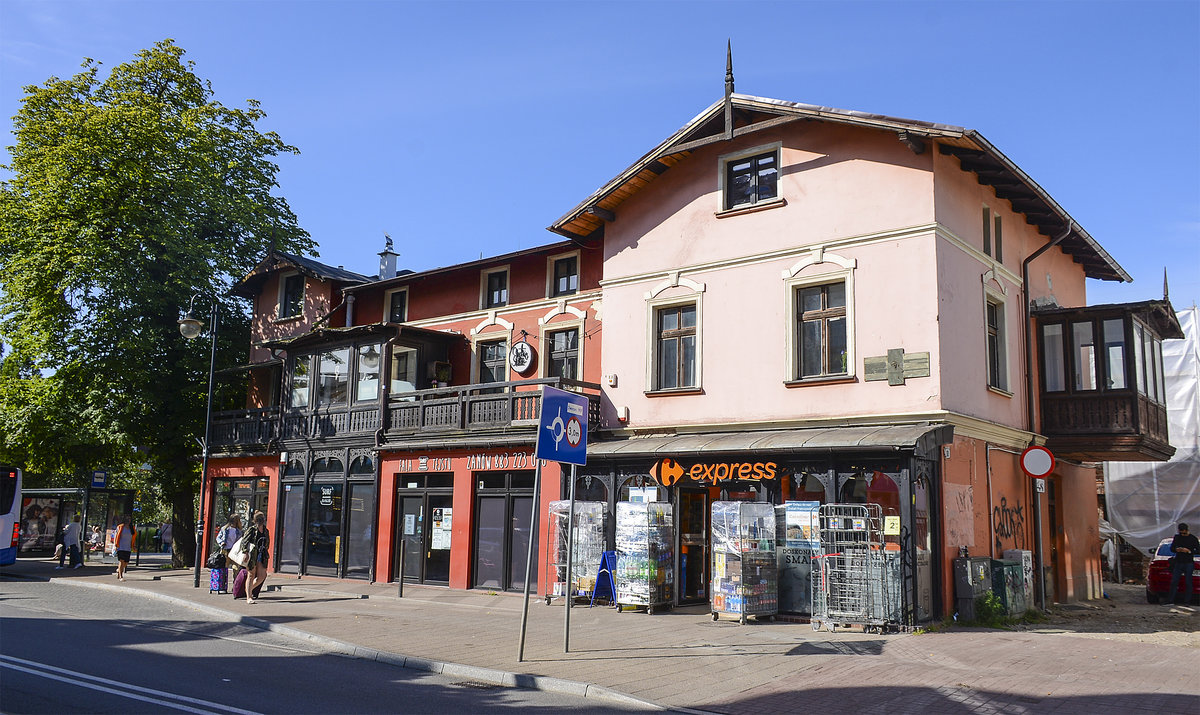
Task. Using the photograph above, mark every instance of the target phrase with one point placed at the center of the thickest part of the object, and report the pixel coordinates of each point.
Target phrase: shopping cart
(855, 577)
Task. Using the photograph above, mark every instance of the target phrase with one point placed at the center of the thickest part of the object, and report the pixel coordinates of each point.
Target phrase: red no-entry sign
(1037, 461)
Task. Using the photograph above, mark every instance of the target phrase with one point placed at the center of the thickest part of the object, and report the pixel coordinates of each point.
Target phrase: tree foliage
(127, 196)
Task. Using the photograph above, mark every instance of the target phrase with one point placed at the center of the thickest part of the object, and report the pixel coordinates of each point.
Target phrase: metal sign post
(570, 567)
(562, 437)
(1038, 462)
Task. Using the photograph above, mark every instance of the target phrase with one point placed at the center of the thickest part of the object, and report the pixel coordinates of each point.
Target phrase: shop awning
(923, 439)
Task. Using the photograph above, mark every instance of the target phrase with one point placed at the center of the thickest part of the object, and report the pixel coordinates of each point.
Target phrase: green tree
(127, 196)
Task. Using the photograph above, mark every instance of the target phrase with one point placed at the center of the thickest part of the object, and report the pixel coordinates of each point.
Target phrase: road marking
(133, 692)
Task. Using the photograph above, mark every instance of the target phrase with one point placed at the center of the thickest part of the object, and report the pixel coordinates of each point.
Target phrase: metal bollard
(400, 578)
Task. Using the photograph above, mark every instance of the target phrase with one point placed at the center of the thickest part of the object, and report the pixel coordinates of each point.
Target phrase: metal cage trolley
(591, 525)
(855, 577)
(645, 555)
(744, 572)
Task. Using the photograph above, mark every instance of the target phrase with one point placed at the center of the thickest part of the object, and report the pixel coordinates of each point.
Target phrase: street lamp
(190, 328)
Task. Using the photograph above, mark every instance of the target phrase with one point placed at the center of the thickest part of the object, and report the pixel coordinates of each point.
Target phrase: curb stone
(458, 670)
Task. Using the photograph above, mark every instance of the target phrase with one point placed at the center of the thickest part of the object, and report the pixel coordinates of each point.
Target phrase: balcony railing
(503, 407)
(245, 427)
(1105, 427)
(497, 406)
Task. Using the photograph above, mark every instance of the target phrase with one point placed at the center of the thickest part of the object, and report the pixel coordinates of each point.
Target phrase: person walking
(226, 538)
(71, 545)
(123, 546)
(257, 568)
(166, 536)
(1184, 546)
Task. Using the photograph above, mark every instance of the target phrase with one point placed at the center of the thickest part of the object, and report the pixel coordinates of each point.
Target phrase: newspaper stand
(855, 576)
(744, 572)
(591, 524)
(645, 555)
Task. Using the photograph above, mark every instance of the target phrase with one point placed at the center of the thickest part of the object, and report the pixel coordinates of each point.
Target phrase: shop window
(327, 465)
(294, 469)
(821, 330)
(750, 178)
(564, 354)
(367, 385)
(291, 295)
(333, 375)
(675, 347)
(362, 465)
(564, 276)
(590, 489)
(807, 486)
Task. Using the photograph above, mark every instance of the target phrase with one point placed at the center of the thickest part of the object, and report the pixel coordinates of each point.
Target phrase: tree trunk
(183, 529)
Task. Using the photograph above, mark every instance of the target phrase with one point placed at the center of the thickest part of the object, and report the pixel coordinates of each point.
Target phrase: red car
(1158, 578)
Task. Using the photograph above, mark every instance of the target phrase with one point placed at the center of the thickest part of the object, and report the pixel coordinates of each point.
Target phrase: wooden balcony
(1106, 427)
(466, 410)
(507, 408)
(246, 429)
(1103, 392)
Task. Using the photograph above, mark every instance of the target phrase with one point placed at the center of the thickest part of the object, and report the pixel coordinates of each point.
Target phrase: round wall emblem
(520, 358)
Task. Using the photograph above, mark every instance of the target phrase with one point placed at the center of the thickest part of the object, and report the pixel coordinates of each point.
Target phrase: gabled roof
(752, 114)
(278, 260)
(406, 277)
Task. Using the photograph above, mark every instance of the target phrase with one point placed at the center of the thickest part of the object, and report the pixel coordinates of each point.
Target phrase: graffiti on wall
(1008, 524)
(960, 515)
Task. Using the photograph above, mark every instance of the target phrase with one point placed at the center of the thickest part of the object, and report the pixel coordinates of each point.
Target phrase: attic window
(750, 179)
(291, 295)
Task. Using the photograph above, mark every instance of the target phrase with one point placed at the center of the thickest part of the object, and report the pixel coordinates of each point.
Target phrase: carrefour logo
(668, 471)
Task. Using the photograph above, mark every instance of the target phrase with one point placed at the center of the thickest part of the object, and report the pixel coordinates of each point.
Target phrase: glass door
(519, 547)
(291, 533)
(693, 545)
(324, 529)
(425, 523)
(360, 533)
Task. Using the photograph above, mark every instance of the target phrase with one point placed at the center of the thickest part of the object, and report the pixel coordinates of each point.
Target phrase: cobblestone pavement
(683, 660)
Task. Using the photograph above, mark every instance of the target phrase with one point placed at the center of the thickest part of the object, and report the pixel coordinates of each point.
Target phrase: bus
(10, 514)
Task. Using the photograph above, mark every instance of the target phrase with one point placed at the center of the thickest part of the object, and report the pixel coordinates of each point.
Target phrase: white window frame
(723, 162)
(546, 345)
(550, 278)
(387, 304)
(279, 302)
(652, 307)
(793, 286)
(483, 287)
(995, 297)
(993, 234)
(489, 337)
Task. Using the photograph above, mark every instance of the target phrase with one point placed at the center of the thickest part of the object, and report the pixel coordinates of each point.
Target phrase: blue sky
(464, 129)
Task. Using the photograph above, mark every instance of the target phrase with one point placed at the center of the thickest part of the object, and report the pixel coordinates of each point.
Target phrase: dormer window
(397, 303)
(565, 277)
(291, 295)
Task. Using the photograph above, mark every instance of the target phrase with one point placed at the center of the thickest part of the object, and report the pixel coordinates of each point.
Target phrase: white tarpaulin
(1147, 499)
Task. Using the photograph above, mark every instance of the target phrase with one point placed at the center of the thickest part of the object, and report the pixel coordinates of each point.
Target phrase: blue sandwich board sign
(562, 430)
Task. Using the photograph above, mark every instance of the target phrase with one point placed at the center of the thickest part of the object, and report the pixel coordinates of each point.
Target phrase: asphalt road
(72, 649)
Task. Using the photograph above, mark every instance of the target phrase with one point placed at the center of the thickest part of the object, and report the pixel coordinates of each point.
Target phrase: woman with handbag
(257, 565)
(219, 561)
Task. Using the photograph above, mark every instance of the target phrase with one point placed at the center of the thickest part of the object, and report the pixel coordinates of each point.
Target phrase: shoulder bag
(243, 551)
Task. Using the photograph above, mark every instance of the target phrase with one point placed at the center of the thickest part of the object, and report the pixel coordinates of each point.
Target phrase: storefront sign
(326, 496)
(424, 464)
(668, 471)
(515, 460)
(802, 524)
(442, 521)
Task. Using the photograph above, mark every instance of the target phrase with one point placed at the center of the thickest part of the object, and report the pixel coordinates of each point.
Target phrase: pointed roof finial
(728, 67)
(728, 90)
(1166, 293)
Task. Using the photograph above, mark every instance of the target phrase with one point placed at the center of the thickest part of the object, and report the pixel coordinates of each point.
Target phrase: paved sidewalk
(684, 660)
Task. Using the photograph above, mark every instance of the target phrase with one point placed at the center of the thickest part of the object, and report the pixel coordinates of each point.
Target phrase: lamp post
(190, 328)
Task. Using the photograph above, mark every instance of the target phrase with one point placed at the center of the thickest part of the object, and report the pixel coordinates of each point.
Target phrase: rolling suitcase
(218, 579)
(239, 584)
